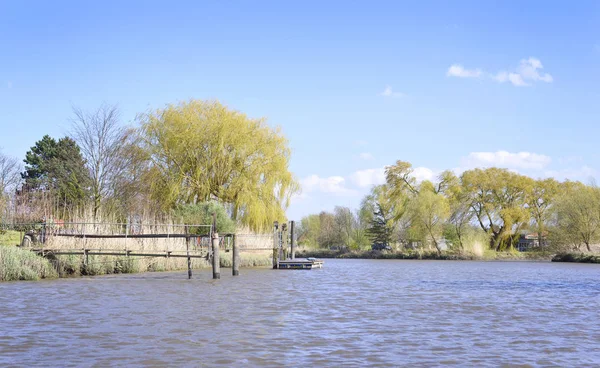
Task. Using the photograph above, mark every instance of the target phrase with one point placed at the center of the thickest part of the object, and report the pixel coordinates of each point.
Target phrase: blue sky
(354, 85)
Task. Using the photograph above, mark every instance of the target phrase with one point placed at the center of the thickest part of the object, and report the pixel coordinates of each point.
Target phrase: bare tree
(9, 179)
(9, 172)
(99, 135)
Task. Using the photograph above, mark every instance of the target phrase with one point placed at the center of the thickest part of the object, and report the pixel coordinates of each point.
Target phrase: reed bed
(22, 264)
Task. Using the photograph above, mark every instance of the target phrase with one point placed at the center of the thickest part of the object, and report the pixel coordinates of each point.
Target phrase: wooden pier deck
(119, 252)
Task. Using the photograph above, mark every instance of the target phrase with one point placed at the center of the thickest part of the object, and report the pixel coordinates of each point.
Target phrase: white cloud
(368, 178)
(332, 185)
(528, 71)
(366, 156)
(389, 92)
(520, 160)
(457, 70)
(423, 173)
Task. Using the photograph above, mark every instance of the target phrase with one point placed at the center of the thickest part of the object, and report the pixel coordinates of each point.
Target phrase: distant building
(531, 240)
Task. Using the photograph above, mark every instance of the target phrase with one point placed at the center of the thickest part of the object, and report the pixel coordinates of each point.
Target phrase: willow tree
(429, 212)
(202, 150)
(541, 199)
(578, 214)
(498, 199)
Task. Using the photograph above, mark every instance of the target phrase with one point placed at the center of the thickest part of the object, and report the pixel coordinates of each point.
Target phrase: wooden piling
(187, 248)
(292, 241)
(284, 242)
(215, 261)
(275, 248)
(235, 257)
(216, 265)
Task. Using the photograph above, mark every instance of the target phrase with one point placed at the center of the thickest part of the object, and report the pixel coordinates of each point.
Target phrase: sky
(354, 85)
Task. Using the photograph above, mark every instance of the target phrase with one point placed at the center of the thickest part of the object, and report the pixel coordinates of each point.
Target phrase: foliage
(578, 215)
(483, 208)
(202, 150)
(430, 211)
(308, 231)
(498, 200)
(202, 214)
(383, 204)
(57, 168)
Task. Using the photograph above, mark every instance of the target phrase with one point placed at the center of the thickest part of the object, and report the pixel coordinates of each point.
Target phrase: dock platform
(300, 264)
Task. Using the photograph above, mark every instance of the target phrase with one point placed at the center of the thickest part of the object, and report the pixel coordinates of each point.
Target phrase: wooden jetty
(300, 264)
(117, 252)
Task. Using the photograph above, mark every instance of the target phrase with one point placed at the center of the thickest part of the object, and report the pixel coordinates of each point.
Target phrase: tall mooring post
(187, 247)
(284, 241)
(275, 244)
(235, 257)
(292, 241)
(216, 266)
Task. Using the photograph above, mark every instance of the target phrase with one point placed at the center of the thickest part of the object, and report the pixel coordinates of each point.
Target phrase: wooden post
(215, 261)
(216, 266)
(275, 246)
(235, 257)
(284, 241)
(293, 241)
(187, 247)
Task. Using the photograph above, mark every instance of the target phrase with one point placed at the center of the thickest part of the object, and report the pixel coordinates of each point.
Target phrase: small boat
(300, 264)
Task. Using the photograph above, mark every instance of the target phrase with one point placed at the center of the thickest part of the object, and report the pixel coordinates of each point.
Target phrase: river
(351, 313)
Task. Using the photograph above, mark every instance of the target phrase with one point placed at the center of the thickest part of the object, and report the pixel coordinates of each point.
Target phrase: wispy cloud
(457, 70)
(528, 72)
(9, 84)
(389, 92)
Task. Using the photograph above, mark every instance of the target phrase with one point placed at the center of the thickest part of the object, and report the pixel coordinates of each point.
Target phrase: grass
(21, 264)
(10, 237)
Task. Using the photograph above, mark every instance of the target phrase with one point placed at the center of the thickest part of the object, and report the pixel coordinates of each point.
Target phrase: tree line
(185, 155)
(492, 207)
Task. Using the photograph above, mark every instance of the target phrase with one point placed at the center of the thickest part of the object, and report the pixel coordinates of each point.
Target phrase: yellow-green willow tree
(202, 150)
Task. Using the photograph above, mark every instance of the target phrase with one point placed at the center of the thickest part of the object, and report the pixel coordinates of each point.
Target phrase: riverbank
(22, 264)
(432, 255)
(576, 258)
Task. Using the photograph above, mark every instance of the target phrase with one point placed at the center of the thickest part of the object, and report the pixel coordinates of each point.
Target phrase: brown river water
(351, 313)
